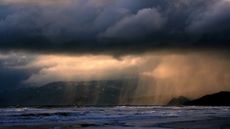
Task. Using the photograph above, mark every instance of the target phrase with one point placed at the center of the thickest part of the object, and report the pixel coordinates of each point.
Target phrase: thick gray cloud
(144, 22)
(213, 21)
(116, 25)
(13, 70)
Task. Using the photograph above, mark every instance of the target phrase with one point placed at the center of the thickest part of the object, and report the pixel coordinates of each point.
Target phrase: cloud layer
(192, 74)
(87, 26)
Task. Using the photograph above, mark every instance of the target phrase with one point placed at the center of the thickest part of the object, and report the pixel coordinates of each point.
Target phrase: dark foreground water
(153, 117)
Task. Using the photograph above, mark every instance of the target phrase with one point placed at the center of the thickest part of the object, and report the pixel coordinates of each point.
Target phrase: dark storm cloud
(87, 26)
(13, 70)
(12, 78)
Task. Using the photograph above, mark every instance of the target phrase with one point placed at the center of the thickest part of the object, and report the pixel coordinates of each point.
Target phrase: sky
(178, 45)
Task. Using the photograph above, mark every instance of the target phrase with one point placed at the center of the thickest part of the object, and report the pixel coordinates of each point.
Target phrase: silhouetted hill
(218, 99)
(178, 101)
(97, 93)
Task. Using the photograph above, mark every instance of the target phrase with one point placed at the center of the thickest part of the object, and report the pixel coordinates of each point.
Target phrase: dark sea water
(154, 117)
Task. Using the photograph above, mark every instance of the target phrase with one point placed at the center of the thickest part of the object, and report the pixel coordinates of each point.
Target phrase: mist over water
(191, 75)
(154, 77)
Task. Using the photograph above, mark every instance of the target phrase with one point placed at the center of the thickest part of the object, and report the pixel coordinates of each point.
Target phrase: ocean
(127, 117)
